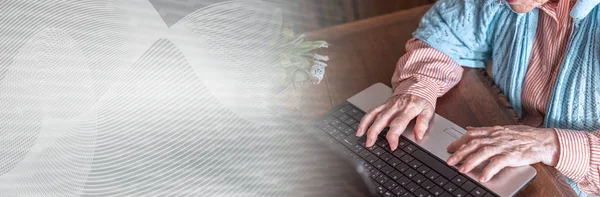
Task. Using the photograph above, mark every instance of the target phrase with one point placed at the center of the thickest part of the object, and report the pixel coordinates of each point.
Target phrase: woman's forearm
(579, 158)
(425, 72)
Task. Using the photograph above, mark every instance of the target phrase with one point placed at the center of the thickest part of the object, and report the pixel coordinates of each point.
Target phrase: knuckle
(474, 142)
(488, 149)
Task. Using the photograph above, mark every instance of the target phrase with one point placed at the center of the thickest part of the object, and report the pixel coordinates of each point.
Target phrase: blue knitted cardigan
(472, 32)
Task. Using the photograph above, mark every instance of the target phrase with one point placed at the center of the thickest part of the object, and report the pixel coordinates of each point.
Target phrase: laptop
(415, 168)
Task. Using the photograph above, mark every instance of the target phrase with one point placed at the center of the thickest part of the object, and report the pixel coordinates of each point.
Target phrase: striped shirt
(426, 72)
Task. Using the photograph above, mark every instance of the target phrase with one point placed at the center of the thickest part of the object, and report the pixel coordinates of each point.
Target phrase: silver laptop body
(440, 134)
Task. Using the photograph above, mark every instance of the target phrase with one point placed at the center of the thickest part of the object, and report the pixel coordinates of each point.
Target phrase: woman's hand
(508, 146)
(397, 112)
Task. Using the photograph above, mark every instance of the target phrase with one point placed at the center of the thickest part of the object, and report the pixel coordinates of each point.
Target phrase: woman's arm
(421, 75)
(579, 158)
(425, 72)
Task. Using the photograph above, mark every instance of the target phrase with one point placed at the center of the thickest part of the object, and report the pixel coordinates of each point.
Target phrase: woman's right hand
(396, 113)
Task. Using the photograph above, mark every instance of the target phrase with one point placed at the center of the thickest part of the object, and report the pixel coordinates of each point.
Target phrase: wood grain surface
(365, 52)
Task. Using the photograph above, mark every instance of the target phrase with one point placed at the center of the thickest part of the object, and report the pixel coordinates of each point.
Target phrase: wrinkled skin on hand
(397, 112)
(508, 146)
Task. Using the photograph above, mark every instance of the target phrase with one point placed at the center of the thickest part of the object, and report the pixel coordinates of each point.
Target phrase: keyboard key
(349, 131)
(326, 128)
(326, 120)
(350, 121)
(390, 185)
(468, 186)
(406, 158)
(409, 148)
(410, 173)
(379, 164)
(421, 192)
(399, 153)
(394, 161)
(488, 195)
(395, 175)
(354, 126)
(341, 127)
(450, 187)
(412, 187)
(358, 116)
(432, 175)
(375, 173)
(386, 156)
(423, 169)
(446, 194)
(383, 143)
(427, 184)
(367, 166)
(339, 136)
(404, 181)
(418, 178)
(399, 191)
(402, 143)
(337, 113)
(378, 151)
(388, 194)
(433, 163)
(380, 189)
(346, 108)
(335, 122)
(381, 179)
(357, 148)
(352, 112)
(387, 169)
(402, 167)
(415, 164)
(365, 154)
(478, 192)
(440, 181)
(459, 180)
(351, 141)
(372, 159)
(436, 191)
(343, 117)
(459, 193)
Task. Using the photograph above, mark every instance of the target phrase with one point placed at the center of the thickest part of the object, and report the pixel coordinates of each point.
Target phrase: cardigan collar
(582, 8)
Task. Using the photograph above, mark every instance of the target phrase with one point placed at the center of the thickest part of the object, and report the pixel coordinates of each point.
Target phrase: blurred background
(310, 15)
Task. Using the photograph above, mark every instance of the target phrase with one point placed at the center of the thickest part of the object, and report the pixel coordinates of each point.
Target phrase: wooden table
(365, 52)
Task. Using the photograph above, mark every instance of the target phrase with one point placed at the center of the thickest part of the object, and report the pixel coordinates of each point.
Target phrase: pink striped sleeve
(580, 158)
(425, 72)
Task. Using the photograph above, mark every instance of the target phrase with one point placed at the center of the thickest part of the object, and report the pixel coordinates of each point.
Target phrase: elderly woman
(546, 59)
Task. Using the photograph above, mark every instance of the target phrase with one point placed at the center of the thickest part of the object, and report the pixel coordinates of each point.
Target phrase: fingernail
(483, 179)
(469, 127)
(450, 161)
(461, 169)
(369, 142)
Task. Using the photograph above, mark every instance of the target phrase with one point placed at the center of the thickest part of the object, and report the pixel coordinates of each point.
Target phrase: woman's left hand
(508, 146)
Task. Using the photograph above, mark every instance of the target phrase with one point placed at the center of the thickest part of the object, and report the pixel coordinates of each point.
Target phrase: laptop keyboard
(408, 171)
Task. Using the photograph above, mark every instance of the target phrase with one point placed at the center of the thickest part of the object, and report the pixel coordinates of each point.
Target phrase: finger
(485, 128)
(423, 123)
(397, 127)
(471, 134)
(381, 121)
(482, 154)
(469, 148)
(496, 164)
(368, 119)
